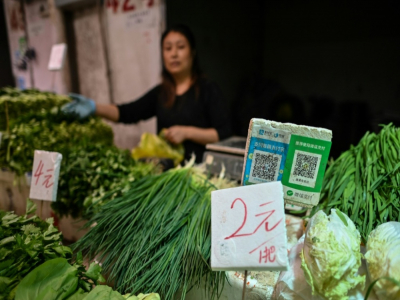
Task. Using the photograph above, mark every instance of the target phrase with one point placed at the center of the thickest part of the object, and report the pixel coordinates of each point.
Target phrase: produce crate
(13, 194)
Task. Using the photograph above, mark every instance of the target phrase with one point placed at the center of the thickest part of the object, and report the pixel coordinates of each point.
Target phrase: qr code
(265, 166)
(306, 166)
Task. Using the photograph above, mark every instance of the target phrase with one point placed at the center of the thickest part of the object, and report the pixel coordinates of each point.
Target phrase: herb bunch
(157, 235)
(94, 174)
(25, 243)
(364, 182)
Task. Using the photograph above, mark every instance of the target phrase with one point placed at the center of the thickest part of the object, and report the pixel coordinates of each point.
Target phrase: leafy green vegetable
(18, 146)
(103, 292)
(91, 166)
(25, 243)
(94, 174)
(331, 255)
(15, 103)
(364, 182)
(157, 235)
(58, 279)
(54, 279)
(383, 259)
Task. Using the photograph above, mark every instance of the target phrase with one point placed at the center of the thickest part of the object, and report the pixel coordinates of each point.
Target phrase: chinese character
(39, 172)
(267, 255)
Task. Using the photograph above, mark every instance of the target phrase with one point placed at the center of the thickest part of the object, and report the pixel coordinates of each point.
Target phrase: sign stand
(244, 285)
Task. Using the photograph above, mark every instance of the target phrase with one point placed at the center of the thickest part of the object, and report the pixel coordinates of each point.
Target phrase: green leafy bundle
(15, 103)
(364, 182)
(25, 243)
(94, 174)
(157, 235)
(42, 132)
(58, 279)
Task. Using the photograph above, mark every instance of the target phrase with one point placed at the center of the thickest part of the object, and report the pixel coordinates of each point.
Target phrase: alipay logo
(261, 132)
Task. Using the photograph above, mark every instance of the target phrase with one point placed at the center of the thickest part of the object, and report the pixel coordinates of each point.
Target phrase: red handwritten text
(266, 255)
(264, 221)
(39, 172)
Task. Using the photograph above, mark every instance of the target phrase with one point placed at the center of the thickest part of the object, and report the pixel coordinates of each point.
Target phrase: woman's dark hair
(168, 85)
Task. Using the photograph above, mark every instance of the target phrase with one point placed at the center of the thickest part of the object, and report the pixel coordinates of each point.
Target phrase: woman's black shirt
(202, 107)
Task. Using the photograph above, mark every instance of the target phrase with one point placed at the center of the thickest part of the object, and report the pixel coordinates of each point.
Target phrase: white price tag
(248, 228)
(57, 57)
(45, 173)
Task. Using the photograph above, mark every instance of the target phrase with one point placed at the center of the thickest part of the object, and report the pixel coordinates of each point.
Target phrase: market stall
(148, 231)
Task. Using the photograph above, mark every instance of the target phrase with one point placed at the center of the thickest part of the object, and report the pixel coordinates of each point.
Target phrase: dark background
(333, 64)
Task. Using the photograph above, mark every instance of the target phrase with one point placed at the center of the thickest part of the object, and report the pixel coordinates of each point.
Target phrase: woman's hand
(177, 134)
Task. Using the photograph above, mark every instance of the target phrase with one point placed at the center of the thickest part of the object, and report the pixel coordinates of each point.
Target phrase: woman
(187, 105)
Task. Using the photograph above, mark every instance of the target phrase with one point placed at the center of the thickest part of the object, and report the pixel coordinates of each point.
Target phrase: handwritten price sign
(248, 228)
(45, 172)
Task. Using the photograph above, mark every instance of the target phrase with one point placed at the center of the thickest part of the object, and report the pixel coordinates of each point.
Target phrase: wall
(41, 24)
(131, 45)
(347, 50)
(229, 36)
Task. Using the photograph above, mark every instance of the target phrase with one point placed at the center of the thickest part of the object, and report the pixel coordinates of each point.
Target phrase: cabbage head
(331, 255)
(383, 259)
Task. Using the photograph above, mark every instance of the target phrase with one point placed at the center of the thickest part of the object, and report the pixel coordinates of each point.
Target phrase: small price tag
(57, 57)
(45, 173)
(248, 228)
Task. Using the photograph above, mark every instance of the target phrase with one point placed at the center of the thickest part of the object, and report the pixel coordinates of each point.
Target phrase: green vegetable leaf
(54, 279)
(103, 292)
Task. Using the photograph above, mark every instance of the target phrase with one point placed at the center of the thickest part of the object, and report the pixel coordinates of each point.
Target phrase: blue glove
(80, 106)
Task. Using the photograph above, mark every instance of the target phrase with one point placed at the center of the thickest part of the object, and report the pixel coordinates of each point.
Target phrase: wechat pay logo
(289, 193)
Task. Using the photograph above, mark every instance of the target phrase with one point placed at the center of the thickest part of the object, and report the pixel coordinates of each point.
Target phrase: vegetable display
(91, 165)
(25, 243)
(156, 236)
(364, 182)
(94, 174)
(383, 259)
(48, 132)
(15, 103)
(331, 255)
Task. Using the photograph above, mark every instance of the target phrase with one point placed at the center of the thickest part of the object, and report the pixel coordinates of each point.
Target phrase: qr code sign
(305, 168)
(265, 167)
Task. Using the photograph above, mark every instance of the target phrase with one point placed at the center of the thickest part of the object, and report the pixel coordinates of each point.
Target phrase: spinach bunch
(25, 243)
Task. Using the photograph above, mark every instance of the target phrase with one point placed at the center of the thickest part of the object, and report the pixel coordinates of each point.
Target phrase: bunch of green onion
(157, 236)
(364, 182)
